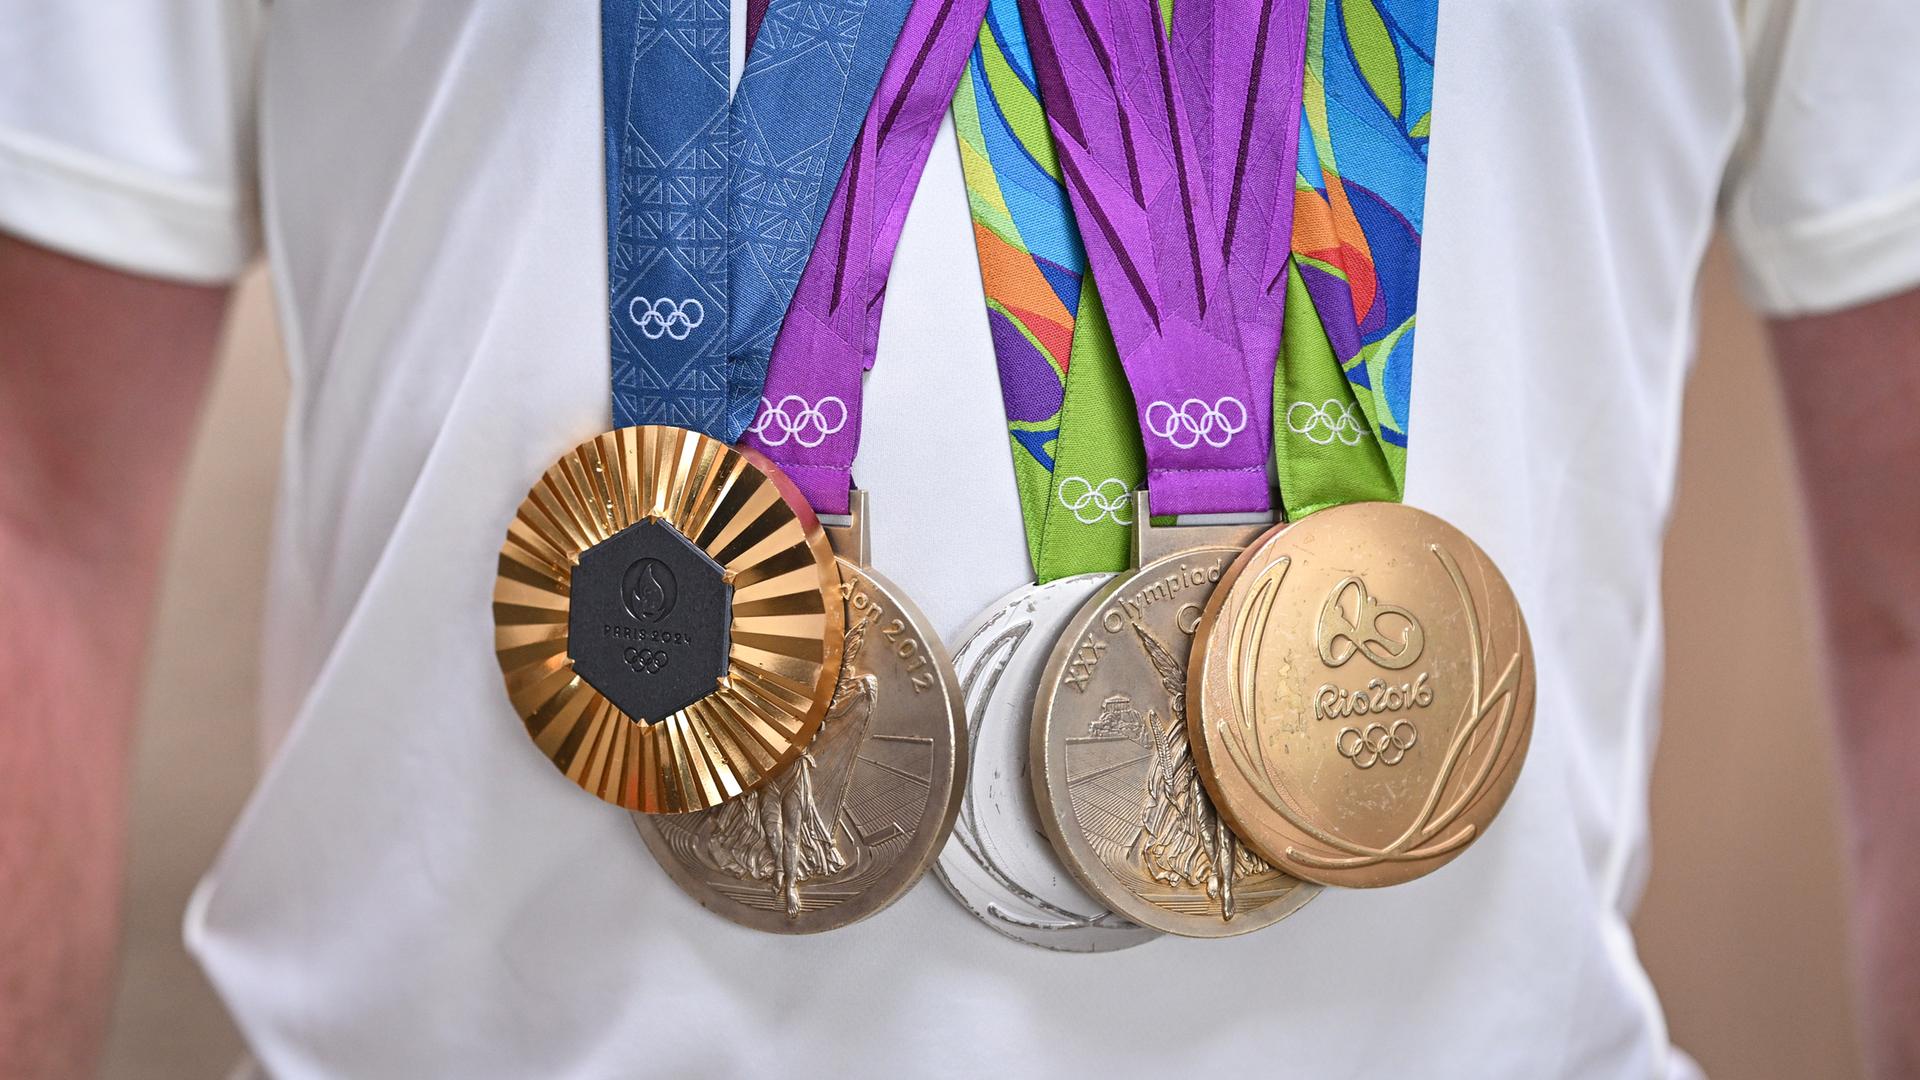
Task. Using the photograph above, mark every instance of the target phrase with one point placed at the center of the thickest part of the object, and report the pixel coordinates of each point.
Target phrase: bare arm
(101, 378)
(1852, 384)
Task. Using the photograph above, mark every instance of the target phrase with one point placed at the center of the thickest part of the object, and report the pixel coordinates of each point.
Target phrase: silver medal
(999, 863)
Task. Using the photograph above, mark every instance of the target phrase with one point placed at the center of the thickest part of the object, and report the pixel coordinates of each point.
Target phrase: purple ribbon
(809, 420)
(1178, 153)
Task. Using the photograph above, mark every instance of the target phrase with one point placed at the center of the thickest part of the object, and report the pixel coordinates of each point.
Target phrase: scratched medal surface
(1363, 697)
(851, 825)
(999, 863)
(1114, 777)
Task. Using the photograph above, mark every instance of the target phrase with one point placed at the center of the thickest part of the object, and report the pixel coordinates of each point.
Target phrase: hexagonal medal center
(649, 619)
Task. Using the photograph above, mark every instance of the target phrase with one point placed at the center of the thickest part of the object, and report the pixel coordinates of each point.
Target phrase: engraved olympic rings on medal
(646, 661)
(656, 658)
(1377, 745)
(1325, 423)
(1090, 503)
(799, 421)
(1195, 421)
(666, 317)
(1301, 666)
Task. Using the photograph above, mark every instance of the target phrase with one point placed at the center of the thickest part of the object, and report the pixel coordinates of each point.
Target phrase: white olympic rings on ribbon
(794, 419)
(666, 317)
(1195, 422)
(1090, 502)
(1323, 423)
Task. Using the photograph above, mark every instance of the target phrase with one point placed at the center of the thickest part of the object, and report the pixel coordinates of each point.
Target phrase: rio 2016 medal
(1000, 864)
(667, 618)
(852, 824)
(1113, 774)
(1363, 695)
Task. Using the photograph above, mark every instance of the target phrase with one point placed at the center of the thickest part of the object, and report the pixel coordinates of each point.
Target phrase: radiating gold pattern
(787, 618)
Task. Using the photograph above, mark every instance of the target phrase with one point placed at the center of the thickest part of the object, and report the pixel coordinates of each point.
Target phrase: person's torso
(435, 215)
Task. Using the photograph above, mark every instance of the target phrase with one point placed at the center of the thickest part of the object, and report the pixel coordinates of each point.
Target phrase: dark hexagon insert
(649, 620)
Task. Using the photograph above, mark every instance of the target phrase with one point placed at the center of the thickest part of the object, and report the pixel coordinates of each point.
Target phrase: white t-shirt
(414, 891)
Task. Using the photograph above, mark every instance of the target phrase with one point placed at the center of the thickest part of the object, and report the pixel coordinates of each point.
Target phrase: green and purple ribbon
(1076, 446)
(1175, 143)
(1341, 401)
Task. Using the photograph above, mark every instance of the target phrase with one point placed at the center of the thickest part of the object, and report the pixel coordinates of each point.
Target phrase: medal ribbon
(711, 206)
(1076, 447)
(1341, 401)
(809, 419)
(1173, 143)
(802, 100)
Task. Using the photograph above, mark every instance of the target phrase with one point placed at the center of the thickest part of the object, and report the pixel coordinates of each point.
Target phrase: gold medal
(1362, 695)
(1113, 775)
(855, 821)
(667, 618)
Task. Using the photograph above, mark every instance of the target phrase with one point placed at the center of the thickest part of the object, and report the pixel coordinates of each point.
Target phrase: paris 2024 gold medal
(1113, 774)
(1362, 695)
(854, 822)
(667, 617)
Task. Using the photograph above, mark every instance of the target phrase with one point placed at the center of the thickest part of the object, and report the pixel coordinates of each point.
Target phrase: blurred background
(1743, 925)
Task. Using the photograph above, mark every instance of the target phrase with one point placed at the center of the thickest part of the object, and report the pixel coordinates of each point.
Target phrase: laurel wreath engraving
(1422, 839)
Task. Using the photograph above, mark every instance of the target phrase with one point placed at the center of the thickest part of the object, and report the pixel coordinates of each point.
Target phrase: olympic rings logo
(1090, 503)
(1378, 744)
(666, 317)
(1195, 422)
(1325, 422)
(646, 661)
(796, 420)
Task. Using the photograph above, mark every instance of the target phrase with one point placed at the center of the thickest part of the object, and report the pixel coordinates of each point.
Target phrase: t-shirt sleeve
(126, 132)
(1823, 197)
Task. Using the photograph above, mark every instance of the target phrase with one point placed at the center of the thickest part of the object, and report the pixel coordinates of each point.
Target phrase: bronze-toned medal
(667, 618)
(856, 820)
(1362, 695)
(1113, 774)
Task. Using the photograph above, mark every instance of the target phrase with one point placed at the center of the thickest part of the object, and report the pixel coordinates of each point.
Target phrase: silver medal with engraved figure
(1114, 776)
(852, 824)
(999, 863)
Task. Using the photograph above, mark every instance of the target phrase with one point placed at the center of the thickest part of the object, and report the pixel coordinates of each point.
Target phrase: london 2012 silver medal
(858, 819)
(999, 863)
(1114, 775)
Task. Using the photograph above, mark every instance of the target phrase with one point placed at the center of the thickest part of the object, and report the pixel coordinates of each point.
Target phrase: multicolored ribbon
(1341, 400)
(809, 420)
(1172, 140)
(1076, 447)
(698, 279)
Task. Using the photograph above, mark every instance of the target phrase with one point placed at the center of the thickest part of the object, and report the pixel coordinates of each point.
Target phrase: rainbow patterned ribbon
(1342, 392)
(1070, 420)
(1342, 387)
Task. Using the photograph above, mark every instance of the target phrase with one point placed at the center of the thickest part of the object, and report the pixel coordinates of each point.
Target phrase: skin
(102, 375)
(1852, 388)
(101, 379)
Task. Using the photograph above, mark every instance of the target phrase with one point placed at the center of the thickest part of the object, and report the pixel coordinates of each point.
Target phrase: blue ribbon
(713, 210)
